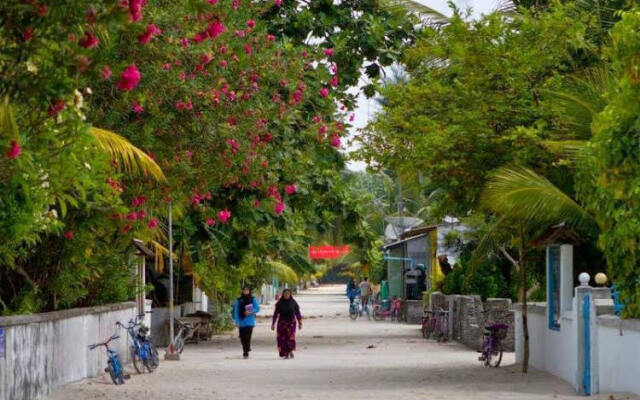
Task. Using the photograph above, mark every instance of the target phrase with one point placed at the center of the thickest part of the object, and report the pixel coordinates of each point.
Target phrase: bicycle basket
(499, 331)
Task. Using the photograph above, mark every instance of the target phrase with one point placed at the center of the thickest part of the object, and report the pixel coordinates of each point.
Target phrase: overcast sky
(367, 108)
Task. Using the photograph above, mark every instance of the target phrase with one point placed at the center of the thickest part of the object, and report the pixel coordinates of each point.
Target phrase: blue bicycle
(143, 352)
(354, 309)
(114, 366)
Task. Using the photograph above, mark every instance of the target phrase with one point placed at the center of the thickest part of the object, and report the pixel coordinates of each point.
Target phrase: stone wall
(469, 315)
(45, 351)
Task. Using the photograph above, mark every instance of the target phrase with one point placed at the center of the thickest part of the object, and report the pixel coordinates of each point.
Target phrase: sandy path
(332, 362)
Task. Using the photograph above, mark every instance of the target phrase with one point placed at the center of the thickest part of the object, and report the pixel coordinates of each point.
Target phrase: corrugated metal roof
(399, 242)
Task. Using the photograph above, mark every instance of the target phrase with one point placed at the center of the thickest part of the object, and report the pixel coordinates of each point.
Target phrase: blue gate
(586, 313)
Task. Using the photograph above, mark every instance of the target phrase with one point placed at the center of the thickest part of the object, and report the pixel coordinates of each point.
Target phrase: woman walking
(286, 314)
(245, 309)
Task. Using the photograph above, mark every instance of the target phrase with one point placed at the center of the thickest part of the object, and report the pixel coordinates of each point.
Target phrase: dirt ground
(336, 359)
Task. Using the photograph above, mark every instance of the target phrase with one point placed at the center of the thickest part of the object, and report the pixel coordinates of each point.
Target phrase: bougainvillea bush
(246, 127)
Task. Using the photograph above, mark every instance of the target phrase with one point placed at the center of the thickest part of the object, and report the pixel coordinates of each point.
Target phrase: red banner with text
(327, 252)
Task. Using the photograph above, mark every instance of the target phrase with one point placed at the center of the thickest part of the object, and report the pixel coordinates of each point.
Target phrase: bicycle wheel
(147, 359)
(178, 344)
(136, 360)
(428, 328)
(116, 378)
(155, 358)
(494, 357)
(377, 315)
(353, 312)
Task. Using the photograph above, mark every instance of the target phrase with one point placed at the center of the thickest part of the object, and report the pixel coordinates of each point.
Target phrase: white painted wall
(549, 350)
(618, 356)
(46, 351)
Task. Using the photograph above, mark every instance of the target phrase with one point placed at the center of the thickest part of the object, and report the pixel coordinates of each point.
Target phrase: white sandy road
(333, 362)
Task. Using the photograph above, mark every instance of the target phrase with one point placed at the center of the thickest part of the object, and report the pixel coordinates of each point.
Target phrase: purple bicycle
(492, 346)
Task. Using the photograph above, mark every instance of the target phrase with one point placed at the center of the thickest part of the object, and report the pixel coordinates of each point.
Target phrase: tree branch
(509, 257)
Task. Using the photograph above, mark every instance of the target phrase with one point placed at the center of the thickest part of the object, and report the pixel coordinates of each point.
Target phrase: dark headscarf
(243, 301)
(287, 308)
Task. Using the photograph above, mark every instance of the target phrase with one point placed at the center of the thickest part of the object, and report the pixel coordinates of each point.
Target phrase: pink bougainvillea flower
(280, 206)
(271, 37)
(135, 9)
(68, 234)
(223, 63)
(132, 216)
(256, 203)
(137, 107)
(184, 42)
(334, 81)
(251, 23)
(151, 31)
(142, 214)
(224, 216)
(278, 3)
(352, 117)
(129, 78)
(28, 34)
(55, 107)
(335, 141)
(189, 153)
(153, 223)
(105, 73)
(211, 221)
(234, 145)
(322, 129)
(41, 9)
(138, 201)
(328, 52)
(200, 37)
(235, 4)
(291, 189)
(247, 48)
(324, 92)
(127, 228)
(240, 33)
(334, 68)
(215, 29)
(166, 66)
(14, 150)
(316, 119)
(89, 40)
(212, 1)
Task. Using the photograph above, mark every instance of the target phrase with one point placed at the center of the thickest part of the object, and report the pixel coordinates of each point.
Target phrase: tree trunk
(523, 288)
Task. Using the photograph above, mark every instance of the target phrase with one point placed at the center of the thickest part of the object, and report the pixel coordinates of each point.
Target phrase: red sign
(327, 252)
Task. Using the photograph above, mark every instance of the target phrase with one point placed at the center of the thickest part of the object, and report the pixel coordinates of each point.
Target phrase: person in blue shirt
(245, 309)
(353, 291)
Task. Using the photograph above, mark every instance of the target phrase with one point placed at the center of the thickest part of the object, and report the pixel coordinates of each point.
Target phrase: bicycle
(436, 324)
(354, 310)
(394, 312)
(143, 351)
(114, 365)
(185, 332)
(492, 345)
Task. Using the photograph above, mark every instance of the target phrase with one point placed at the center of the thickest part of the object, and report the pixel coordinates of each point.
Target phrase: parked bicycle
(354, 309)
(185, 332)
(492, 344)
(143, 351)
(114, 366)
(435, 323)
(393, 311)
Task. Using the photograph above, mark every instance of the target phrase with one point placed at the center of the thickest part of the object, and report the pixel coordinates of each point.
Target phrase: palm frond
(523, 195)
(580, 99)
(132, 159)
(572, 150)
(285, 273)
(8, 125)
(417, 7)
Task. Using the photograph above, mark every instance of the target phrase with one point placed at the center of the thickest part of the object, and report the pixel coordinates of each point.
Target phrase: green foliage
(485, 279)
(610, 180)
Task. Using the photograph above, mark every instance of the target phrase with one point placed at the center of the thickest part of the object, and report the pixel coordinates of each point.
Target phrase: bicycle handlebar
(113, 337)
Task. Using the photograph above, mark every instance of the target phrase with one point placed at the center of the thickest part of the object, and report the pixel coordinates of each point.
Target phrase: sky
(367, 107)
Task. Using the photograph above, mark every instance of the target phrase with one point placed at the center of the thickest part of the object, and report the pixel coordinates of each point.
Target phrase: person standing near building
(285, 316)
(245, 309)
(365, 292)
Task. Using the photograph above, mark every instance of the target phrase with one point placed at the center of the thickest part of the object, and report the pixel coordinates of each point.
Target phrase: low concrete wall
(618, 354)
(46, 351)
(554, 351)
